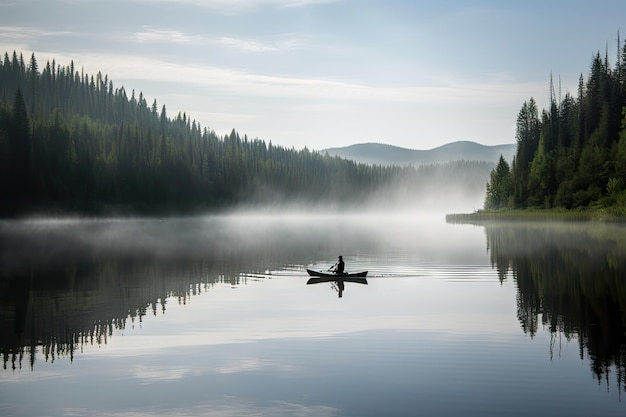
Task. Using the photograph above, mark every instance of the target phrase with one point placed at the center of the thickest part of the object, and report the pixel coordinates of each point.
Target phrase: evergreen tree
(500, 186)
(527, 137)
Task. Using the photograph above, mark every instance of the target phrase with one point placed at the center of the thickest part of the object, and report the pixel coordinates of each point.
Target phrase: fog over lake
(212, 316)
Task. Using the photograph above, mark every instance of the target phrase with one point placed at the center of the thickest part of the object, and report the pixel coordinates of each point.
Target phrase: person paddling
(340, 266)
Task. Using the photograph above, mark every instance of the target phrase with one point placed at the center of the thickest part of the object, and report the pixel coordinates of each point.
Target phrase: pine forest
(73, 142)
(572, 155)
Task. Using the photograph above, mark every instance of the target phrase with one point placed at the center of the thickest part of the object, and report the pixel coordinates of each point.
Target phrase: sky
(328, 73)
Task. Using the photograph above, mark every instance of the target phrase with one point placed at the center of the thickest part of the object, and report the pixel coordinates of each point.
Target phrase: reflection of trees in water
(63, 289)
(571, 279)
(59, 310)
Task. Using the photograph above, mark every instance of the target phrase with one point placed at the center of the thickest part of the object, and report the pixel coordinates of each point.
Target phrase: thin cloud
(244, 45)
(255, 46)
(244, 6)
(18, 33)
(246, 84)
(150, 34)
(287, 4)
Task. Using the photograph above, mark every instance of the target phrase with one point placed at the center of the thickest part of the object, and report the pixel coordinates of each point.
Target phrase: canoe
(334, 276)
(312, 273)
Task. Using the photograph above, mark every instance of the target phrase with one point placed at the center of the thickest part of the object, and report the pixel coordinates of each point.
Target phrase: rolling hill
(381, 154)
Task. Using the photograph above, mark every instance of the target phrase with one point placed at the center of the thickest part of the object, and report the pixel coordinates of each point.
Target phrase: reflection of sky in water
(287, 308)
(279, 347)
(433, 333)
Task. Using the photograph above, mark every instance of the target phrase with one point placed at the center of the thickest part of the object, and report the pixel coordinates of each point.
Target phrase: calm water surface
(212, 316)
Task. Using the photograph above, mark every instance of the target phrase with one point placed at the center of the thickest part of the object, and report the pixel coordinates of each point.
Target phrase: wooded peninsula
(72, 143)
(572, 157)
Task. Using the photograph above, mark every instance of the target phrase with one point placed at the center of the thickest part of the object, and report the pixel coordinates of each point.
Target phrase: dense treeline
(72, 140)
(573, 155)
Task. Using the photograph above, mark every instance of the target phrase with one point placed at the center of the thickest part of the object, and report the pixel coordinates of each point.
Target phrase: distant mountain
(381, 154)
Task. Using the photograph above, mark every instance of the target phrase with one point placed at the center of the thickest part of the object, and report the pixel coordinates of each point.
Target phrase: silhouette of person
(340, 266)
(340, 287)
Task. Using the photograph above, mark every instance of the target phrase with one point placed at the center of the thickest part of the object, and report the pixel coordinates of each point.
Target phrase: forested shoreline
(573, 155)
(72, 142)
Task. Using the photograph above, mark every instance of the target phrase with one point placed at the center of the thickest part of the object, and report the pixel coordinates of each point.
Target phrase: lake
(213, 316)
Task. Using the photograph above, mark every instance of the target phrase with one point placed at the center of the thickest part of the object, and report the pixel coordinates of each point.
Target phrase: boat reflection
(337, 283)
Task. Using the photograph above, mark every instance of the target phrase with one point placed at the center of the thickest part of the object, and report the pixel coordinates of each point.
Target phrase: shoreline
(604, 215)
